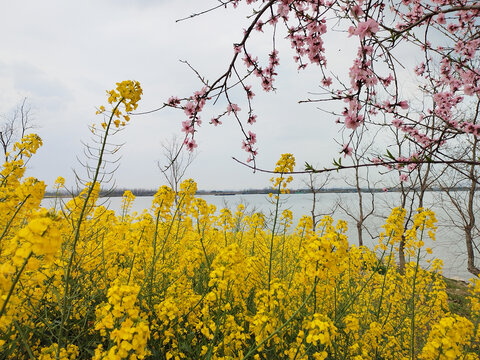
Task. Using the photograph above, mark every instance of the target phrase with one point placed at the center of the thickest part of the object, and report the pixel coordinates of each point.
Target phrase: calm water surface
(449, 246)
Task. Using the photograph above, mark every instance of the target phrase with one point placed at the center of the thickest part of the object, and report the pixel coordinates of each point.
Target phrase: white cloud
(35, 83)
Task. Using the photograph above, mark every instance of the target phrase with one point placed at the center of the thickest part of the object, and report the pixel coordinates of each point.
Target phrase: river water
(449, 245)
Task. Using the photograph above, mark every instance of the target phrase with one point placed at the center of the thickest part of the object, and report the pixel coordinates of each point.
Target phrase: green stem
(155, 258)
(412, 314)
(354, 297)
(202, 236)
(15, 281)
(5, 231)
(63, 316)
(270, 260)
(152, 268)
(384, 283)
(134, 255)
(250, 353)
(24, 340)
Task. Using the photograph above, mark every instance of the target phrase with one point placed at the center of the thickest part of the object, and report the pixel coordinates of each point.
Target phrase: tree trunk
(471, 216)
(471, 256)
(360, 232)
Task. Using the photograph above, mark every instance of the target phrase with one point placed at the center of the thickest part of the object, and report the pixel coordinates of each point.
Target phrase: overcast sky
(63, 55)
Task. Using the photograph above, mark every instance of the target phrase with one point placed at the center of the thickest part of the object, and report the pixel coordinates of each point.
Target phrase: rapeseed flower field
(183, 281)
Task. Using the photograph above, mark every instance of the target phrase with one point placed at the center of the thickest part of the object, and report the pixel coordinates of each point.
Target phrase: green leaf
(389, 155)
(308, 167)
(338, 163)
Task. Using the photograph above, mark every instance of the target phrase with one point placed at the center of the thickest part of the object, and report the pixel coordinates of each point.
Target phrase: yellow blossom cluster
(122, 319)
(28, 146)
(448, 339)
(284, 166)
(50, 352)
(128, 93)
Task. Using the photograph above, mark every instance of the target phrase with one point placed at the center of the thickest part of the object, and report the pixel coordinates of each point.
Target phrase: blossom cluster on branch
(443, 33)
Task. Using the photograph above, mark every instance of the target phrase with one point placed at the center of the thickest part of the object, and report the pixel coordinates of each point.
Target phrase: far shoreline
(265, 191)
